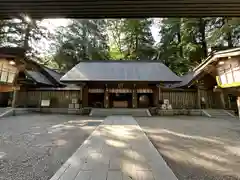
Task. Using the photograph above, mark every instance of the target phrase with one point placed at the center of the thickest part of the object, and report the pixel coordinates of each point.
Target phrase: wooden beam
(8, 88)
(117, 8)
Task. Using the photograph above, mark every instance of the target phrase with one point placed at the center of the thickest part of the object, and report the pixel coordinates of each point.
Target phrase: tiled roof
(120, 71)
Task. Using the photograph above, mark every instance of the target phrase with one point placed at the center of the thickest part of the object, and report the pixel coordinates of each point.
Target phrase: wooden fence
(58, 99)
(180, 99)
(213, 99)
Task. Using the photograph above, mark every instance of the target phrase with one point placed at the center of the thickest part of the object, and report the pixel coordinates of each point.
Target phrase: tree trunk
(179, 38)
(229, 34)
(202, 25)
(85, 53)
(27, 38)
(136, 47)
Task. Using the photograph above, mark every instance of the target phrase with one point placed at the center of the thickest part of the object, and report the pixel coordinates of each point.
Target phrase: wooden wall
(59, 99)
(213, 99)
(180, 99)
(28, 99)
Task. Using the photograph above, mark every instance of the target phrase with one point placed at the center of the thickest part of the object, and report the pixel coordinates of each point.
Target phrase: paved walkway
(117, 150)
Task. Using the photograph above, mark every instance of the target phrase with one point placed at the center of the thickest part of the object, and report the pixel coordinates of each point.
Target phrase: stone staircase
(119, 111)
(220, 113)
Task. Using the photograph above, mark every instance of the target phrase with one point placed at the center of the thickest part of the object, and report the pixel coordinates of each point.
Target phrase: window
(4, 76)
(229, 73)
(236, 73)
(11, 77)
(7, 72)
(223, 79)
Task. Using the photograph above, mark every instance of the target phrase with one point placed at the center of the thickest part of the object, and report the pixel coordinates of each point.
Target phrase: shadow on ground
(195, 147)
(35, 146)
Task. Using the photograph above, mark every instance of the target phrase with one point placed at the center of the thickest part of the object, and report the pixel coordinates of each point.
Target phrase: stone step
(119, 111)
(221, 113)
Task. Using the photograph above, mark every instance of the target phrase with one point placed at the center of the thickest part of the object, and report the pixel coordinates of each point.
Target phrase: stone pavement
(117, 150)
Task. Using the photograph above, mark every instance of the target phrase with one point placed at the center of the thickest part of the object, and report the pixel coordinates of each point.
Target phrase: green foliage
(138, 40)
(185, 41)
(224, 32)
(23, 33)
(80, 41)
(115, 53)
(131, 39)
(170, 47)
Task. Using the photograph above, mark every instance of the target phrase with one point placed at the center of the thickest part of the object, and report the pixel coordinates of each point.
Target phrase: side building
(25, 83)
(217, 80)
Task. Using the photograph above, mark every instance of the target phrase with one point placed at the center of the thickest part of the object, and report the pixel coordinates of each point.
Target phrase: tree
(138, 39)
(22, 32)
(131, 39)
(170, 47)
(183, 44)
(224, 32)
(82, 40)
(116, 34)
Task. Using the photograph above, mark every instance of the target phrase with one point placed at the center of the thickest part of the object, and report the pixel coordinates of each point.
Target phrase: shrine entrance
(120, 98)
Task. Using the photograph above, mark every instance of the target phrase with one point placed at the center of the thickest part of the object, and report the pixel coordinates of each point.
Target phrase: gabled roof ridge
(196, 71)
(44, 72)
(215, 55)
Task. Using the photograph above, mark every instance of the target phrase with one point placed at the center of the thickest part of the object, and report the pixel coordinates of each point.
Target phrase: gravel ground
(197, 148)
(33, 147)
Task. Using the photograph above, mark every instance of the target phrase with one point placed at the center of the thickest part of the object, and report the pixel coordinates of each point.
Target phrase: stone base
(187, 112)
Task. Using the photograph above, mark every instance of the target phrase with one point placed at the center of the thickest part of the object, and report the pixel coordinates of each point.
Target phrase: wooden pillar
(81, 97)
(14, 100)
(85, 96)
(159, 93)
(134, 97)
(40, 100)
(156, 96)
(222, 100)
(198, 98)
(26, 96)
(229, 103)
(106, 97)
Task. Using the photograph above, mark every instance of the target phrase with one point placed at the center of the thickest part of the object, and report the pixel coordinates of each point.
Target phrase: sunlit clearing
(197, 159)
(128, 168)
(60, 142)
(124, 132)
(233, 149)
(95, 155)
(134, 155)
(58, 126)
(115, 143)
(2, 154)
(161, 131)
(161, 138)
(211, 156)
(194, 160)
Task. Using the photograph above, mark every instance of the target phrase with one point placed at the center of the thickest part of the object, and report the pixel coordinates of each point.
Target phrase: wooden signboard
(45, 103)
(96, 90)
(120, 90)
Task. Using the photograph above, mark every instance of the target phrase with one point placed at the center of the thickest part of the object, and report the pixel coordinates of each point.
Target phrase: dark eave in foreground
(118, 8)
